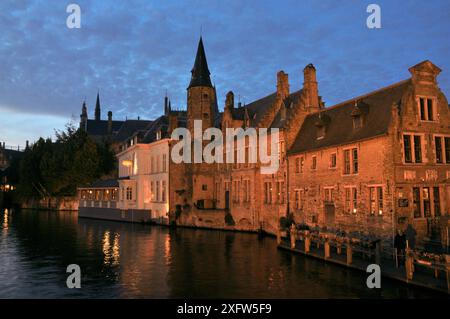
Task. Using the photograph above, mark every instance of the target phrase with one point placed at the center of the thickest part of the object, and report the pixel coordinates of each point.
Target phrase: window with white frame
(157, 191)
(376, 200)
(442, 149)
(152, 191)
(299, 198)
(280, 192)
(351, 161)
(163, 191)
(247, 190)
(129, 193)
(333, 161)
(328, 194)
(351, 199)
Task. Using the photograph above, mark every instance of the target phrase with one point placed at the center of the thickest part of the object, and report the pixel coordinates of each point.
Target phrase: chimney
(173, 122)
(282, 84)
(27, 145)
(283, 112)
(310, 86)
(229, 102)
(4, 146)
(109, 122)
(166, 105)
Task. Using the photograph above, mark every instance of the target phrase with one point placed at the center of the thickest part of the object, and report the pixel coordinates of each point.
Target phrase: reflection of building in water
(5, 219)
(111, 253)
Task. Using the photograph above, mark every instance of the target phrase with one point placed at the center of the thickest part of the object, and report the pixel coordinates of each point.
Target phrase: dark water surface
(121, 260)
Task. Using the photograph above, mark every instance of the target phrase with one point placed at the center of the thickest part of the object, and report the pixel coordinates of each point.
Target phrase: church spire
(200, 71)
(97, 107)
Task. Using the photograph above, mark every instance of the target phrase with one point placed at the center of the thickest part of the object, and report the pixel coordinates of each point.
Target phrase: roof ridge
(363, 96)
(266, 96)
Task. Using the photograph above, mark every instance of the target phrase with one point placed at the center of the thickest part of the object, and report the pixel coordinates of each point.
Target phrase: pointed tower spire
(97, 107)
(83, 116)
(200, 71)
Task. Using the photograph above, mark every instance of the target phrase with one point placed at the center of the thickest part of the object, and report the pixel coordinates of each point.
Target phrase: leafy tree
(57, 168)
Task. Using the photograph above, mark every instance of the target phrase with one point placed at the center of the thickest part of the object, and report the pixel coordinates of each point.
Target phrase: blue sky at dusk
(133, 51)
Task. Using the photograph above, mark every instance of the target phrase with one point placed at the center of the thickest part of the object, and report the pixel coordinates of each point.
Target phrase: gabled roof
(160, 124)
(100, 127)
(130, 127)
(258, 108)
(200, 71)
(339, 129)
(105, 183)
(292, 99)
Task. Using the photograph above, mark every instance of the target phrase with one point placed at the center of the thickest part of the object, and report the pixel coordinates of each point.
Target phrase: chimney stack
(310, 87)
(282, 84)
(27, 145)
(229, 101)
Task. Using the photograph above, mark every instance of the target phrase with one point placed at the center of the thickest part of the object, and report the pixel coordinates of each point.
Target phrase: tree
(58, 168)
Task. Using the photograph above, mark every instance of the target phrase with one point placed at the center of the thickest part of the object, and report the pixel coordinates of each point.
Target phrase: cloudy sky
(133, 51)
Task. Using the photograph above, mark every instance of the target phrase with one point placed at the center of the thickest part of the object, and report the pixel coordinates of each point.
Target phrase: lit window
(129, 193)
(376, 200)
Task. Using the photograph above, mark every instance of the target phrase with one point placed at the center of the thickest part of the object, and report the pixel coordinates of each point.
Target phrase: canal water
(119, 260)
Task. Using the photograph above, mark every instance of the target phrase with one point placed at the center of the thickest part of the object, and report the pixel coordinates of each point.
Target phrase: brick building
(368, 164)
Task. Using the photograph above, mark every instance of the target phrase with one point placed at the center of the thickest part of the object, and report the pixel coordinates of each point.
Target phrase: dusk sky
(133, 51)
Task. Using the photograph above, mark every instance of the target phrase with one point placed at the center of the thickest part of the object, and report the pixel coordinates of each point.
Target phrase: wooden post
(447, 266)
(292, 233)
(327, 248)
(349, 253)
(339, 248)
(409, 264)
(307, 241)
(278, 236)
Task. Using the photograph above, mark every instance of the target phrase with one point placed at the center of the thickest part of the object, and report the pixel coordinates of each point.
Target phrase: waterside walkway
(424, 270)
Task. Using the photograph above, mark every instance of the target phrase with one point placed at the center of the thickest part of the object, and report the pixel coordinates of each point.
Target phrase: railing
(368, 249)
(97, 204)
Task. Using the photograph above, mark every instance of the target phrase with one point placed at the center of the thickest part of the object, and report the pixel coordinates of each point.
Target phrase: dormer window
(321, 132)
(358, 114)
(357, 122)
(426, 109)
(321, 124)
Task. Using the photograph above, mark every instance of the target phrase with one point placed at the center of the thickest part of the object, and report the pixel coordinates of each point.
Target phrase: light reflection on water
(121, 260)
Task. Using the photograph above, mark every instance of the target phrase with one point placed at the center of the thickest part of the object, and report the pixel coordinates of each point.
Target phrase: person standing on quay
(411, 236)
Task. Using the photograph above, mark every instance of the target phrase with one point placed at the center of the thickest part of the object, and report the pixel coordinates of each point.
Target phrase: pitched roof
(376, 107)
(200, 71)
(105, 183)
(160, 124)
(258, 108)
(130, 127)
(100, 128)
(293, 98)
